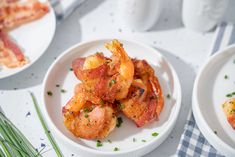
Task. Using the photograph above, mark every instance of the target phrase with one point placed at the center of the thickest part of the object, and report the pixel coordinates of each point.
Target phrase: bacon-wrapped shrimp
(144, 101)
(229, 110)
(108, 86)
(87, 116)
(109, 79)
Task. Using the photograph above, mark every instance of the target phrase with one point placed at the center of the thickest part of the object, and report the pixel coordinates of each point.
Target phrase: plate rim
(40, 55)
(203, 126)
(161, 137)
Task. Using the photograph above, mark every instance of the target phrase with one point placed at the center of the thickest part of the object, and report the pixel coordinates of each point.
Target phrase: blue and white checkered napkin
(192, 142)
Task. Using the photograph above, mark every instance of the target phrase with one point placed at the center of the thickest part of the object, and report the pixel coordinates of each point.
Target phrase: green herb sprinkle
(49, 93)
(116, 149)
(155, 134)
(99, 143)
(119, 122)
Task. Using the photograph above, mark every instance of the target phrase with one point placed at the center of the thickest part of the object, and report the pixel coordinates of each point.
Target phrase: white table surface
(186, 50)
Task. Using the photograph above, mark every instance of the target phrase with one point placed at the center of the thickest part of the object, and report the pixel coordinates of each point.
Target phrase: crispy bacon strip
(6, 2)
(10, 54)
(14, 13)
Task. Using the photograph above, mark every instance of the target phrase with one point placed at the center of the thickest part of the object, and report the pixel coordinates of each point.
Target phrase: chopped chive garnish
(121, 106)
(57, 85)
(62, 90)
(134, 139)
(119, 122)
(48, 134)
(98, 143)
(49, 93)
(112, 82)
(155, 134)
(215, 132)
(86, 110)
(109, 141)
(168, 96)
(232, 111)
(225, 76)
(116, 149)
(229, 95)
(143, 140)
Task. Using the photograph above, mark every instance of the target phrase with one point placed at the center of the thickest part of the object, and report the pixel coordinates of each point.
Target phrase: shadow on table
(68, 33)
(186, 76)
(229, 15)
(170, 17)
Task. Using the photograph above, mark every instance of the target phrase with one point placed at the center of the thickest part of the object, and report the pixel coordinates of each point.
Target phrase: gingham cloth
(192, 142)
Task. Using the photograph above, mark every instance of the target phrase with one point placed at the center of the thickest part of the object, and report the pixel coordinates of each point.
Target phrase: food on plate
(18, 12)
(11, 55)
(229, 110)
(14, 13)
(107, 78)
(87, 116)
(144, 101)
(110, 86)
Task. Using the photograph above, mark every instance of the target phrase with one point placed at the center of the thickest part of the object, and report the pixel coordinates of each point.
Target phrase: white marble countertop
(185, 49)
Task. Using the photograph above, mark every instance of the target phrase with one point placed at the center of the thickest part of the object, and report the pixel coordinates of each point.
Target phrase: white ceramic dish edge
(202, 125)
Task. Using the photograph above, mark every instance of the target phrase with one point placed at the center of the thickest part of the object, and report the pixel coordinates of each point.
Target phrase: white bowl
(209, 93)
(122, 137)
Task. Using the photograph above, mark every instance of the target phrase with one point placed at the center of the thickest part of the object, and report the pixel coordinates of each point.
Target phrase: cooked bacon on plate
(15, 13)
(11, 55)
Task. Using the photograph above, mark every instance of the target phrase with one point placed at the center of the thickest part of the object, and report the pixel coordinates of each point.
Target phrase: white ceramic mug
(203, 15)
(139, 14)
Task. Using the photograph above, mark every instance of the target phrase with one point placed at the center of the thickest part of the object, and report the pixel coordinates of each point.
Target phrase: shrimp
(107, 78)
(144, 101)
(229, 110)
(125, 70)
(87, 116)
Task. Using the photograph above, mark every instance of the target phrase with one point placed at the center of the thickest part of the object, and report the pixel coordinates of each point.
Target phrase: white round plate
(59, 73)
(33, 38)
(209, 93)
